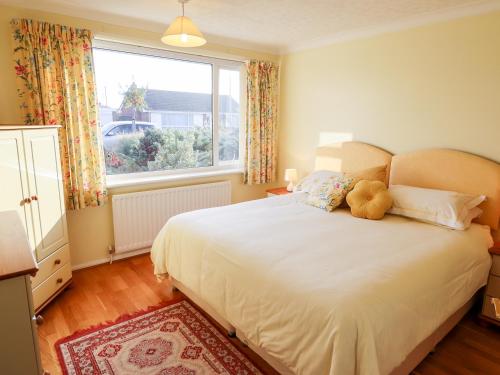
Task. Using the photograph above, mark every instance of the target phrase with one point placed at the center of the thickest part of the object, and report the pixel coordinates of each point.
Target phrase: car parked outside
(115, 132)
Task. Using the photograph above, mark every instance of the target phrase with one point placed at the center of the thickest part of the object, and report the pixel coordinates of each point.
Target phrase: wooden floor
(105, 292)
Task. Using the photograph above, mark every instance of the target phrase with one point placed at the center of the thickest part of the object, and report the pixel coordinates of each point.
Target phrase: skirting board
(96, 262)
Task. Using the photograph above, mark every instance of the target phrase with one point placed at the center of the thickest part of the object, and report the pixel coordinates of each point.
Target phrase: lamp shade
(183, 33)
(290, 174)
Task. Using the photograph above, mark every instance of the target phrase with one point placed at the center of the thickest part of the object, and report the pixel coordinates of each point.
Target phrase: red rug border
(124, 317)
(121, 318)
(96, 327)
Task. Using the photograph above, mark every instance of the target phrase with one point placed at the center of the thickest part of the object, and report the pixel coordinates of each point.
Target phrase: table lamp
(291, 177)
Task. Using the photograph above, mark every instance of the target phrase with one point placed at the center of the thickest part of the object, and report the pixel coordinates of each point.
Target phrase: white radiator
(138, 217)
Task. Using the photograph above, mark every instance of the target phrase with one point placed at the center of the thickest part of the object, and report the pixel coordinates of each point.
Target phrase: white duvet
(324, 293)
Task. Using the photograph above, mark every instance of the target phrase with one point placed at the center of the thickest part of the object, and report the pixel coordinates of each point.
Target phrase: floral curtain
(261, 122)
(55, 72)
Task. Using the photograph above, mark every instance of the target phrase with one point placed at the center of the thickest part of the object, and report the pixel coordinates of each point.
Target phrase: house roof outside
(178, 101)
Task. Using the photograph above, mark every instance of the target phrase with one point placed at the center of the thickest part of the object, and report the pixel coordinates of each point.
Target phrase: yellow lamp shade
(183, 33)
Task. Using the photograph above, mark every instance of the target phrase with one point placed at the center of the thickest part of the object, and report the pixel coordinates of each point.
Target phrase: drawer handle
(25, 201)
(59, 280)
(496, 304)
(57, 261)
(38, 320)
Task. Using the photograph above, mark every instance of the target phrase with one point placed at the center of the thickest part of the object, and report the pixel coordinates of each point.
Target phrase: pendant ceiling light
(183, 32)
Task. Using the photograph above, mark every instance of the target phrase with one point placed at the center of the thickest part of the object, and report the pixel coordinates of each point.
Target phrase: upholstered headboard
(350, 157)
(455, 171)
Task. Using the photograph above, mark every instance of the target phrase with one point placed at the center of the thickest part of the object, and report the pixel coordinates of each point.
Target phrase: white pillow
(448, 208)
(474, 213)
(315, 179)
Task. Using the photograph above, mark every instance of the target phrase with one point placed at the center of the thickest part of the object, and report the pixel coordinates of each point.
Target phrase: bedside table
(489, 313)
(277, 191)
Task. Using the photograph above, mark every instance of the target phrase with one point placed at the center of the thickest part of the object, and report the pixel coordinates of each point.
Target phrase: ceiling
(275, 26)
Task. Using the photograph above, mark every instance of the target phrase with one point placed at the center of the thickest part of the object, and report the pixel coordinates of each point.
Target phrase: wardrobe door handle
(25, 201)
(34, 198)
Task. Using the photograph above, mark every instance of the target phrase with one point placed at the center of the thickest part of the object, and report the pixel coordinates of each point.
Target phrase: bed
(326, 293)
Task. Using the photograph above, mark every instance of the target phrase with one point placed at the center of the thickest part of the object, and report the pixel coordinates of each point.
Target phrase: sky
(115, 71)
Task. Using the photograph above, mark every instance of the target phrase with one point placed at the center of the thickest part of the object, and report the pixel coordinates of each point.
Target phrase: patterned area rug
(166, 340)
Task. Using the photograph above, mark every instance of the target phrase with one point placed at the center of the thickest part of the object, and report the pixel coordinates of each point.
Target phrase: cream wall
(91, 229)
(432, 86)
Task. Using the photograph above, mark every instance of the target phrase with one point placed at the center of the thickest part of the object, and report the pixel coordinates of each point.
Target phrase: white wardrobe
(31, 183)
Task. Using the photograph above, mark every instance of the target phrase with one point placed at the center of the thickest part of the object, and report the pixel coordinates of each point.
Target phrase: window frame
(217, 64)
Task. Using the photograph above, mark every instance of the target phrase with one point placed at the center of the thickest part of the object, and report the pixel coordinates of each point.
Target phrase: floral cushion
(329, 194)
(315, 179)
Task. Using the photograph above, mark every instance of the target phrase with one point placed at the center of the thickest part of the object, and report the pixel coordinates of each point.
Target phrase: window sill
(113, 183)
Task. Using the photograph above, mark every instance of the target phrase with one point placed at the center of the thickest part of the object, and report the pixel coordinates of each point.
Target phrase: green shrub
(176, 153)
(159, 149)
(149, 145)
(129, 146)
(229, 144)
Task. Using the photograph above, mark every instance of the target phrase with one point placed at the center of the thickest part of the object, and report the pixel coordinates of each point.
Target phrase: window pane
(229, 115)
(155, 112)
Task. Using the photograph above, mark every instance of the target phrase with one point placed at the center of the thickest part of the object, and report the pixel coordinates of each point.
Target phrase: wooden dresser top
(16, 257)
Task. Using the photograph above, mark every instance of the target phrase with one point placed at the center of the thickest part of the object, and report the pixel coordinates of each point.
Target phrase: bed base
(231, 330)
(406, 367)
(427, 346)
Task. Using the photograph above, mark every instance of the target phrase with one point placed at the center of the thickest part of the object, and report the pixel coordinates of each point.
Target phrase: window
(164, 112)
(229, 115)
(176, 119)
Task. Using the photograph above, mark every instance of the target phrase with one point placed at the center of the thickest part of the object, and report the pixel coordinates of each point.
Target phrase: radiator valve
(111, 251)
